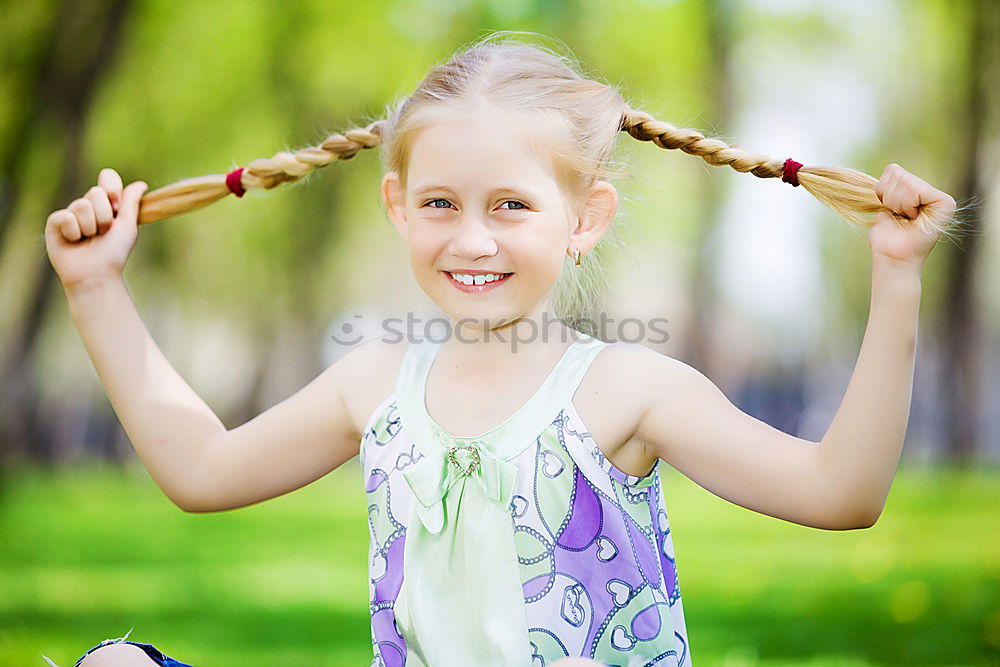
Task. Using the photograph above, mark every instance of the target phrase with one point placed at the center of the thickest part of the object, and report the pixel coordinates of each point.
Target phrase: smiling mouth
(477, 282)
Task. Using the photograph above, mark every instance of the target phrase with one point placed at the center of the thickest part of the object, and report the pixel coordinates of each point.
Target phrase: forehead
(480, 147)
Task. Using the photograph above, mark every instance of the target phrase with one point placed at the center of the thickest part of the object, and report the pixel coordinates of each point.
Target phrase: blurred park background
(764, 290)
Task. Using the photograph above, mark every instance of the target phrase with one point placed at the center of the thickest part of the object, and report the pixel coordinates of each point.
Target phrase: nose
(473, 238)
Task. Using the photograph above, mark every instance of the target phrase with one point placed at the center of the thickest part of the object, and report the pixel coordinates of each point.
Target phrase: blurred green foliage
(199, 87)
(97, 550)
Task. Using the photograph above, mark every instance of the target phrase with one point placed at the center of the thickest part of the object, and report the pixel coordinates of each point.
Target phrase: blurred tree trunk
(699, 352)
(963, 324)
(86, 37)
(26, 117)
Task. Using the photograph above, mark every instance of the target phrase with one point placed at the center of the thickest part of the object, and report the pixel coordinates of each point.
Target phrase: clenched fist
(90, 239)
(912, 197)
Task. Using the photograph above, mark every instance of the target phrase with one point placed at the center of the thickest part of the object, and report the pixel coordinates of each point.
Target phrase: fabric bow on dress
(462, 600)
(433, 477)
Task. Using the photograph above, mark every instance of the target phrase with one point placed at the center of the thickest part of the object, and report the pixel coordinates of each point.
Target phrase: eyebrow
(506, 189)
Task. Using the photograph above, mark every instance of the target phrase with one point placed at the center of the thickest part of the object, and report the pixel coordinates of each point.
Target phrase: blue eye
(431, 203)
(511, 201)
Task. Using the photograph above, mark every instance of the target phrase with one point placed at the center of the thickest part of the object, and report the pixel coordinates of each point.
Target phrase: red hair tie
(789, 175)
(234, 183)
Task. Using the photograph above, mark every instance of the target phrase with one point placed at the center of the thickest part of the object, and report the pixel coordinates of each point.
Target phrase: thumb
(128, 210)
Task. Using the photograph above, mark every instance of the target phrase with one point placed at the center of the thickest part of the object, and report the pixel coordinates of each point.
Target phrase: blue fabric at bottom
(149, 649)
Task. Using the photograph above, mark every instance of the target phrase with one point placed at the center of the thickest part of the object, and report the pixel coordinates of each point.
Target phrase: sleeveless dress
(519, 546)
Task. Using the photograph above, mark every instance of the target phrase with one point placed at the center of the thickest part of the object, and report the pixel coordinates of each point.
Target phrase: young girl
(515, 507)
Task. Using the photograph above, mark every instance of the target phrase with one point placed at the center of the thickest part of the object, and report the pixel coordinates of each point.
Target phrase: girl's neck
(527, 341)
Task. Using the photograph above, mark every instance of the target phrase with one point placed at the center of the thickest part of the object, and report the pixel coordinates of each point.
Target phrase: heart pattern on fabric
(518, 506)
(620, 591)
(552, 465)
(621, 639)
(606, 549)
(572, 609)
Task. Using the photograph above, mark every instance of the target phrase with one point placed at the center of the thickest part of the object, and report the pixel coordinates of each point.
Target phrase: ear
(394, 199)
(599, 207)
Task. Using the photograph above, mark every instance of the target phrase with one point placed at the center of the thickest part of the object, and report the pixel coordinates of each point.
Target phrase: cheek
(552, 246)
(424, 245)
(545, 255)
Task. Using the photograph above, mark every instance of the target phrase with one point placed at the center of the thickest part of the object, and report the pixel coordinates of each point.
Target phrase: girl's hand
(90, 239)
(904, 242)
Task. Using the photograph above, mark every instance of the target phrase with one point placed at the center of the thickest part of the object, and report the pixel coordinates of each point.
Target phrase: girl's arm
(199, 464)
(841, 482)
(861, 448)
(167, 423)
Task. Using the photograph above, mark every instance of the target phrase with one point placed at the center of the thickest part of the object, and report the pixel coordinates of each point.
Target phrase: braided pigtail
(850, 193)
(285, 167)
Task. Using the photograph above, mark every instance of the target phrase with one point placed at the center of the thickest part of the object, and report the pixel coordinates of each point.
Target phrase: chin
(482, 320)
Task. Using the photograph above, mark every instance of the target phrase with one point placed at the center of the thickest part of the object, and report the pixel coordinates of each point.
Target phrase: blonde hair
(549, 91)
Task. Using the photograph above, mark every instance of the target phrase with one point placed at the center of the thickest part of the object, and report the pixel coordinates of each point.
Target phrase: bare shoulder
(624, 385)
(653, 379)
(649, 365)
(369, 371)
(613, 397)
(632, 370)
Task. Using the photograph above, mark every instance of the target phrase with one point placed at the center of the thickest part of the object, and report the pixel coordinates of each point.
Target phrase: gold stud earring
(577, 260)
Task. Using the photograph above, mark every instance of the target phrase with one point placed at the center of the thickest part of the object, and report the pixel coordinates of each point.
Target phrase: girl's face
(478, 200)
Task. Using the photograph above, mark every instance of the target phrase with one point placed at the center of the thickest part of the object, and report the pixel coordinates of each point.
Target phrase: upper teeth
(478, 279)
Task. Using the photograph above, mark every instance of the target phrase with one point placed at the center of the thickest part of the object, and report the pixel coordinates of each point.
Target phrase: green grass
(90, 551)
